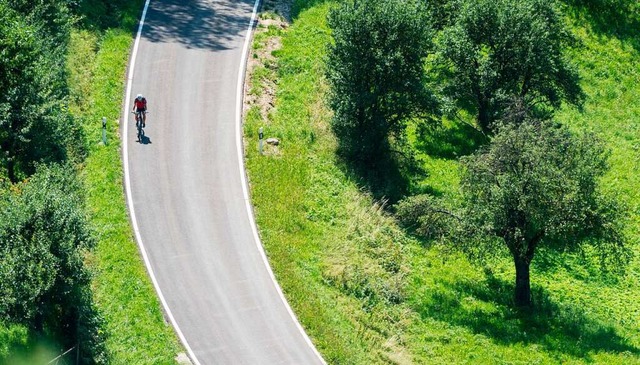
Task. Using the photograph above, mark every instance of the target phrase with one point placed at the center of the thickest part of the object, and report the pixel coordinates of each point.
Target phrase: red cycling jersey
(140, 104)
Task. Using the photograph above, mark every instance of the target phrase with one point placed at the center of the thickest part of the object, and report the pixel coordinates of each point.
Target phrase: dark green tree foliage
(501, 50)
(34, 123)
(537, 184)
(375, 69)
(443, 12)
(43, 234)
(52, 18)
(43, 281)
(102, 14)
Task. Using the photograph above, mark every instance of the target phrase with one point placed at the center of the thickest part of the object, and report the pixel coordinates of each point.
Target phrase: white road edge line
(127, 182)
(245, 186)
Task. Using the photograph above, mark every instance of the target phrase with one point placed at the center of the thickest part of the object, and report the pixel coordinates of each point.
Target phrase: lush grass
(368, 293)
(136, 332)
(306, 207)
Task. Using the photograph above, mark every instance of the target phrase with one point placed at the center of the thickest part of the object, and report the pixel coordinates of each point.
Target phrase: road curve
(187, 193)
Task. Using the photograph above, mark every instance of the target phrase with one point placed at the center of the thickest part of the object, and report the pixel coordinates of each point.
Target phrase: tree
(34, 123)
(443, 12)
(44, 284)
(501, 50)
(52, 19)
(537, 184)
(375, 69)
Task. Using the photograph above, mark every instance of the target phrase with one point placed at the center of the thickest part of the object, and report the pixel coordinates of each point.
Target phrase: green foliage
(11, 336)
(500, 51)
(612, 18)
(43, 232)
(536, 184)
(339, 260)
(443, 12)
(43, 280)
(52, 19)
(453, 309)
(104, 14)
(426, 216)
(34, 123)
(375, 72)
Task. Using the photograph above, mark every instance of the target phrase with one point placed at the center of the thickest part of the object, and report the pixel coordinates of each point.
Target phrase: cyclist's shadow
(144, 139)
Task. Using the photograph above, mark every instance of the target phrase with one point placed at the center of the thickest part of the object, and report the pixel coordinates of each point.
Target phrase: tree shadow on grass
(299, 6)
(449, 142)
(559, 328)
(615, 18)
(107, 14)
(384, 180)
(582, 265)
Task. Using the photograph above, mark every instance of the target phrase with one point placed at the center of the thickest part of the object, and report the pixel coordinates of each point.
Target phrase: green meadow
(366, 291)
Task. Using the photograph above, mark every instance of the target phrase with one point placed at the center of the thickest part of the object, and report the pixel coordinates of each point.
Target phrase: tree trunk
(11, 169)
(11, 163)
(484, 114)
(523, 283)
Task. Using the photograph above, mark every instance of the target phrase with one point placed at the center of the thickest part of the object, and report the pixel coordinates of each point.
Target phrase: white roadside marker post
(104, 130)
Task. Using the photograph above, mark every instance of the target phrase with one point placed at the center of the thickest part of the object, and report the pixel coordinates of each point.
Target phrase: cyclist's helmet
(139, 97)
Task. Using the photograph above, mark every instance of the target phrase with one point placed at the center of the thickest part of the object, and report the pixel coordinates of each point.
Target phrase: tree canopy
(501, 50)
(375, 69)
(34, 123)
(44, 236)
(44, 285)
(537, 184)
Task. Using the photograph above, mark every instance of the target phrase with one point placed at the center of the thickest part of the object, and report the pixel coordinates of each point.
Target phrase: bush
(426, 216)
(44, 284)
(35, 125)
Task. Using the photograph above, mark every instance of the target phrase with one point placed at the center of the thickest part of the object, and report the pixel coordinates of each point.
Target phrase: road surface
(186, 188)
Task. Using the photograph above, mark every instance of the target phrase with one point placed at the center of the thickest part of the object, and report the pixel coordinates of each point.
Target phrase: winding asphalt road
(186, 188)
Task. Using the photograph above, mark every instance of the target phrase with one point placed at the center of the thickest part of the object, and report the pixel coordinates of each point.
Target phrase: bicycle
(139, 126)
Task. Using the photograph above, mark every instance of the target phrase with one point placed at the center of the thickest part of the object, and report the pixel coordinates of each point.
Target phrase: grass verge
(136, 332)
(368, 293)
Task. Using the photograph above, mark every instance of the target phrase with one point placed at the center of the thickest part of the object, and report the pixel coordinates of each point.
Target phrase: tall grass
(310, 214)
(368, 293)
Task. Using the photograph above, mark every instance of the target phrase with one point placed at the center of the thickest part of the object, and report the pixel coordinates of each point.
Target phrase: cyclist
(140, 104)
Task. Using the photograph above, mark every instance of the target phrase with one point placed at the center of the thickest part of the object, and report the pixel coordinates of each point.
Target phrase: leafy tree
(501, 50)
(51, 18)
(536, 185)
(103, 14)
(375, 68)
(34, 123)
(43, 281)
(443, 12)
(44, 285)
